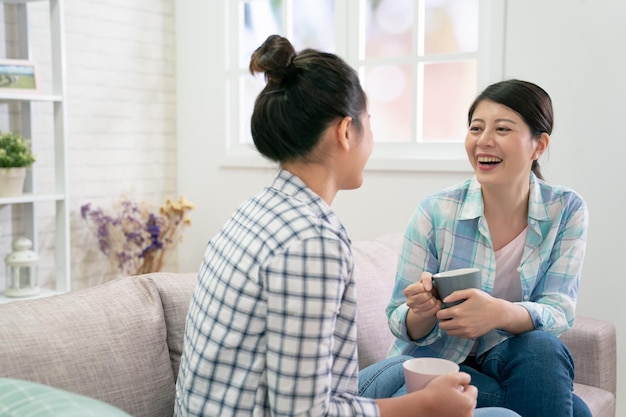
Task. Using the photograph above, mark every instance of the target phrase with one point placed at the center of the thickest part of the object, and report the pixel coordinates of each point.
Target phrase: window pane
(451, 26)
(388, 25)
(389, 92)
(449, 89)
(259, 19)
(314, 24)
(250, 87)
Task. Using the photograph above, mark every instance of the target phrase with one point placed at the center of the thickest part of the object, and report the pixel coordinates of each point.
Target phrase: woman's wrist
(417, 326)
(512, 317)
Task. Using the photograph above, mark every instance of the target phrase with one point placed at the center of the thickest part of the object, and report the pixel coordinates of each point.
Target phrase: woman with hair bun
(271, 325)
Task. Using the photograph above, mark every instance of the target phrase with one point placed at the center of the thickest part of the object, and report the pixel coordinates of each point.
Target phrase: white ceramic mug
(420, 371)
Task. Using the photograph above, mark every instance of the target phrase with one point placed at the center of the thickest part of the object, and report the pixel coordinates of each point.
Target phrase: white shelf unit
(31, 197)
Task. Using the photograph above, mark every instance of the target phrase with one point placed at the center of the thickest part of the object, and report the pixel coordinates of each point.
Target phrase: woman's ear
(541, 145)
(343, 132)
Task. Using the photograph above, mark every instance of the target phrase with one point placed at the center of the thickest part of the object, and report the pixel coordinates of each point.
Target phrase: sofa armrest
(593, 346)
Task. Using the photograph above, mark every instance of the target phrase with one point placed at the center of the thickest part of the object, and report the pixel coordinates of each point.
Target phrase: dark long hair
(529, 100)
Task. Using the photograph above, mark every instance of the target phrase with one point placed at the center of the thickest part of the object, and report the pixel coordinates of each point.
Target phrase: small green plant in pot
(15, 151)
(15, 156)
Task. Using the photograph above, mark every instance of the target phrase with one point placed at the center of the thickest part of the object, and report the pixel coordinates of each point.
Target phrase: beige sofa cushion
(107, 343)
(175, 291)
(375, 273)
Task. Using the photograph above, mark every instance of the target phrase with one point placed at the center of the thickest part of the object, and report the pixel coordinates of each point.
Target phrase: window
(421, 63)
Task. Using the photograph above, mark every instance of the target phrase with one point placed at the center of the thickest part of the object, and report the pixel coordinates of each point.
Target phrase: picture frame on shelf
(18, 75)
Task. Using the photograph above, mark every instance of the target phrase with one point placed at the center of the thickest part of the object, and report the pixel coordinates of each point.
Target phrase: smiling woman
(529, 240)
(513, 108)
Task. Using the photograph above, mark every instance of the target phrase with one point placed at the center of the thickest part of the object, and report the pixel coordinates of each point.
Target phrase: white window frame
(432, 157)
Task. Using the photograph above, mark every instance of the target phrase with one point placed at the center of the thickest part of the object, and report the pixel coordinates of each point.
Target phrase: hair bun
(274, 58)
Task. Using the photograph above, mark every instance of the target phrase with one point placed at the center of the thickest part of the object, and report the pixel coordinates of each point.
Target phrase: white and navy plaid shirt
(271, 327)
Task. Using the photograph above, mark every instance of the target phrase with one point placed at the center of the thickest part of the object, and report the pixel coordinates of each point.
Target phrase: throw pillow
(25, 398)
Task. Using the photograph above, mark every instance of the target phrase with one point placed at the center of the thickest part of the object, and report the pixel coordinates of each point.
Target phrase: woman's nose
(486, 138)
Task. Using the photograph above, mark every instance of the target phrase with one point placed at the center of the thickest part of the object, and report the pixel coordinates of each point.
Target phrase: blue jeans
(385, 379)
(531, 373)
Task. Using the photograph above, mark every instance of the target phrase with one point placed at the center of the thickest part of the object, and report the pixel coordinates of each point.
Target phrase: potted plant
(15, 157)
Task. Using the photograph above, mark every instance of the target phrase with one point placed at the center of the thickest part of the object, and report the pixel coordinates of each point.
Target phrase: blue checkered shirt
(448, 231)
(271, 326)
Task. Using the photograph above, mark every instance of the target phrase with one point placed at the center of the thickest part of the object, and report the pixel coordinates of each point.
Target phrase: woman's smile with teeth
(489, 160)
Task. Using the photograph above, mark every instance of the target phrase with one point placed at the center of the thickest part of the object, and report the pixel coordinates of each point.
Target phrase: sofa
(121, 342)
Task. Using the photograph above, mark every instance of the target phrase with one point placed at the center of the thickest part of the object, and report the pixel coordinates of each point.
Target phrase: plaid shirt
(271, 326)
(448, 231)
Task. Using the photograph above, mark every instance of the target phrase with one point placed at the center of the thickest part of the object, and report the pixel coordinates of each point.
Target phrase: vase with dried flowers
(135, 238)
(15, 157)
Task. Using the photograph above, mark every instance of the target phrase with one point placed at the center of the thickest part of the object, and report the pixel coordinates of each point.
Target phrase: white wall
(574, 49)
(121, 92)
(121, 113)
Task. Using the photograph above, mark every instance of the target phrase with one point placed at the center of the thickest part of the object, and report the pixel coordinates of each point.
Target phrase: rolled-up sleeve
(418, 255)
(552, 303)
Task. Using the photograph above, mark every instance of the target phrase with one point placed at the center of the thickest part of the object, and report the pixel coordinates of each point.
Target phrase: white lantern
(22, 275)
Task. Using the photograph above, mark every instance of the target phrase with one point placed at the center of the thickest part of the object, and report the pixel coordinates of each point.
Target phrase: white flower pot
(12, 181)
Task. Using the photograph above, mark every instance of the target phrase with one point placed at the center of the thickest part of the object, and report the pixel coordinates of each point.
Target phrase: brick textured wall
(121, 119)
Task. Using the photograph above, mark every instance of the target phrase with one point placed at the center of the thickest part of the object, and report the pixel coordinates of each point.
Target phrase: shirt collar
(537, 208)
(473, 204)
(291, 185)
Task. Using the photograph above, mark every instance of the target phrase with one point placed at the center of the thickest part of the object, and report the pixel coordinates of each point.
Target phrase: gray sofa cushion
(106, 342)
